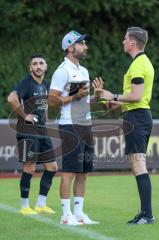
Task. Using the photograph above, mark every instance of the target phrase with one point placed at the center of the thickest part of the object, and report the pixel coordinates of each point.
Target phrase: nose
(86, 47)
(38, 65)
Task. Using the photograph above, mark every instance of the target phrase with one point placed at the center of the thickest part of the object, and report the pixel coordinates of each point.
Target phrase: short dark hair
(66, 51)
(140, 35)
(37, 55)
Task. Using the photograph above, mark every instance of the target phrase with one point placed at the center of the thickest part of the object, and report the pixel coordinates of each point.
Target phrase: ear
(133, 42)
(46, 67)
(30, 69)
(70, 48)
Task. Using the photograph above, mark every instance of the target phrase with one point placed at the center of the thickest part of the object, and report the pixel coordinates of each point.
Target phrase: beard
(37, 74)
(80, 55)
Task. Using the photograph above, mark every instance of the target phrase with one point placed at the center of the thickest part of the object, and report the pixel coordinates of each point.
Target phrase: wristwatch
(115, 97)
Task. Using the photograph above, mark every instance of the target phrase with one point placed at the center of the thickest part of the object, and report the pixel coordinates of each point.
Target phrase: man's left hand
(104, 94)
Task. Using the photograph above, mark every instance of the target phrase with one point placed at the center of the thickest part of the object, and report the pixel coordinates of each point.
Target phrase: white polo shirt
(78, 111)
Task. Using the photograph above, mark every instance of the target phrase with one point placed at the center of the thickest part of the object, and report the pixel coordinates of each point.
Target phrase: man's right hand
(83, 91)
(31, 118)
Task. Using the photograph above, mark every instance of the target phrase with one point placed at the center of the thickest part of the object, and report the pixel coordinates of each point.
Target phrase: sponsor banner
(108, 146)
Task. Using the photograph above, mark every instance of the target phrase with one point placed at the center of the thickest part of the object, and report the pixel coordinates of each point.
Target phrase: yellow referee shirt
(140, 71)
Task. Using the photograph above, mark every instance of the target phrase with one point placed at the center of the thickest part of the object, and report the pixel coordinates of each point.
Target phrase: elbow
(9, 99)
(50, 101)
(53, 101)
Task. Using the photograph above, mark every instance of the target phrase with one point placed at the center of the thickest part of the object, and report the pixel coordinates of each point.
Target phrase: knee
(52, 167)
(139, 164)
(68, 176)
(29, 168)
(81, 176)
(139, 170)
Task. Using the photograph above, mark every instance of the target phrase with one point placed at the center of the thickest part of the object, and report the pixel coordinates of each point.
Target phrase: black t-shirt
(33, 99)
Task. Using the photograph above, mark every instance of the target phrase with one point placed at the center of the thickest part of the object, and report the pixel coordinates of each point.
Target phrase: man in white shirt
(70, 90)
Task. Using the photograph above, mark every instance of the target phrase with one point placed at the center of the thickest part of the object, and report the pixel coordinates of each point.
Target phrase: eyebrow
(82, 42)
(37, 62)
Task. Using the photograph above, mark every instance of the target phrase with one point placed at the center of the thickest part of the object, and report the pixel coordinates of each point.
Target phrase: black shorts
(35, 149)
(137, 126)
(77, 148)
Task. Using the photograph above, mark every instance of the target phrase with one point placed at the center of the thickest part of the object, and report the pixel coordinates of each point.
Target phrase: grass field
(112, 200)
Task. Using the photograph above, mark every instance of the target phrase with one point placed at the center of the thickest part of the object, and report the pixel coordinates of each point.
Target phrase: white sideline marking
(78, 230)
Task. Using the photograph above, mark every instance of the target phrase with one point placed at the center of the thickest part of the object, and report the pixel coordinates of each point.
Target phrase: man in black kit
(29, 101)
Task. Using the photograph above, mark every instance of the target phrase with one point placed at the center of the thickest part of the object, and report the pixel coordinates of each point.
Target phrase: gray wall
(108, 144)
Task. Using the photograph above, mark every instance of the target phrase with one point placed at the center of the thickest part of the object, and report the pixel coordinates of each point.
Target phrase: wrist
(75, 97)
(24, 116)
(93, 97)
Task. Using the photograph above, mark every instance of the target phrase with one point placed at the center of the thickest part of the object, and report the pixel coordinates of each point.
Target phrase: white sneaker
(83, 218)
(69, 220)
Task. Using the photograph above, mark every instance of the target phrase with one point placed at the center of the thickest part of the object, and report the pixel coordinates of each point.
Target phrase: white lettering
(98, 147)
(115, 146)
(153, 146)
(110, 143)
(122, 145)
(7, 152)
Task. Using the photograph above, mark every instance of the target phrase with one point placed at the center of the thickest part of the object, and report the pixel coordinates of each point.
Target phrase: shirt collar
(72, 64)
(32, 79)
(139, 54)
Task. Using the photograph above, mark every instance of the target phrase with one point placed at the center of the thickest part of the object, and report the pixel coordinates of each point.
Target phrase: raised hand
(98, 83)
(98, 86)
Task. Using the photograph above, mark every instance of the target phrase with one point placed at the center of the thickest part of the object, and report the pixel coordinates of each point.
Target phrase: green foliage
(29, 26)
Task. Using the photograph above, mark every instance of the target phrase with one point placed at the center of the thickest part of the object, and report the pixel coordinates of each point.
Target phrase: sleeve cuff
(137, 80)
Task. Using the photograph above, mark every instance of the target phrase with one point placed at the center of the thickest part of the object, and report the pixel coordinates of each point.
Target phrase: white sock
(78, 205)
(41, 201)
(65, 203)
(24, 202)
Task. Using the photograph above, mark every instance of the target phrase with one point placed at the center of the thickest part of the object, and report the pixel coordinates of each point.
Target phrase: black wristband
(115, 97)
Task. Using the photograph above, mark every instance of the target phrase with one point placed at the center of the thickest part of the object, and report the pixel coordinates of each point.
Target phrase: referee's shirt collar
(139, 54)
(71, 63)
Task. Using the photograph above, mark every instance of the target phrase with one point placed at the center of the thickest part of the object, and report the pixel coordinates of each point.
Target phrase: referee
(137, 90)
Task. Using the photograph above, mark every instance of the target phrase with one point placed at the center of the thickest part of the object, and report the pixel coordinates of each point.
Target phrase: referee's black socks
(25, 184)
(144, 188)
(46, 182)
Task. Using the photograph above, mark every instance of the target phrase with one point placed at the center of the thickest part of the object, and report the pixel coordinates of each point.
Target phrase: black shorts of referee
(35, 149)
(137, 126)
(77, 148)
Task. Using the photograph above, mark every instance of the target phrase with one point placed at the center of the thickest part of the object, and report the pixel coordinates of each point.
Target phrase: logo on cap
(71, 38)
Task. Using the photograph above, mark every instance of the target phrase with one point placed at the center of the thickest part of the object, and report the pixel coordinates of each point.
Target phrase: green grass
(112, 200)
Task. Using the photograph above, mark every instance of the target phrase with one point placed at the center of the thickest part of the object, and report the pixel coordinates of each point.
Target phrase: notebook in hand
(75, 86)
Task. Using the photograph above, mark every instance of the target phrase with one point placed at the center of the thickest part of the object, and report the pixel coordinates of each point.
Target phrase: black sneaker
(141, 219)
